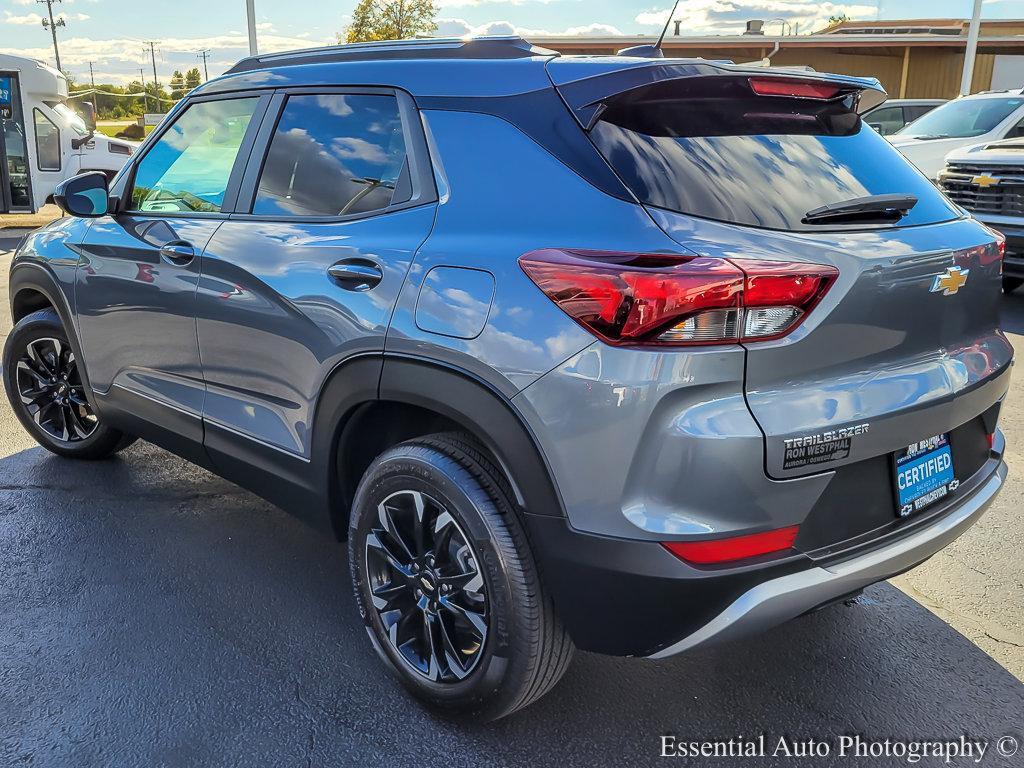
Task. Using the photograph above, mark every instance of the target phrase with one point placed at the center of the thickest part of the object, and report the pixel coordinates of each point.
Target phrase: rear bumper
(787, 597)
(633, 598)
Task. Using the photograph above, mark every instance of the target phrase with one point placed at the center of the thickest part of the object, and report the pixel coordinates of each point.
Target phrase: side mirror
(85, 195)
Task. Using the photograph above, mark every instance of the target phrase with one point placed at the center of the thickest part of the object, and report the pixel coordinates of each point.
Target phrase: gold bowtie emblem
(951, 281)
(984, 180)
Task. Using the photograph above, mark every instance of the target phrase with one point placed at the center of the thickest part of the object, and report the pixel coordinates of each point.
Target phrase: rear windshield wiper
(874, 208)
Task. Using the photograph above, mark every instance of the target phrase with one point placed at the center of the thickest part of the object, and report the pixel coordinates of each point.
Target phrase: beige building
(920, 59)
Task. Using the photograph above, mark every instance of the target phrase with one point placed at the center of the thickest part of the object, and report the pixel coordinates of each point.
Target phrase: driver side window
(188, 168)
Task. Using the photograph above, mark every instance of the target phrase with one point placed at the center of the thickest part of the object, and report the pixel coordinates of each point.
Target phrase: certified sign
(6, 98)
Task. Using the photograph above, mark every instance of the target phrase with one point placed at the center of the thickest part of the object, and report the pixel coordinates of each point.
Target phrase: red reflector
(800, 89)
(678, 299)
(736, 548)
(991, 440)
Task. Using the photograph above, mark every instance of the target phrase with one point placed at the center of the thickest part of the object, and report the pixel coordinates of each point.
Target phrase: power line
(92, 80)
(52, 26)
(204, 54)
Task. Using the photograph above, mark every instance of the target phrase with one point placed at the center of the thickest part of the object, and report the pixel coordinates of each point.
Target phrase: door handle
(178, 252)
(356, 274)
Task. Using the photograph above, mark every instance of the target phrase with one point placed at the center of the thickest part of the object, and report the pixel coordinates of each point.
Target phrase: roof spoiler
(587, 96)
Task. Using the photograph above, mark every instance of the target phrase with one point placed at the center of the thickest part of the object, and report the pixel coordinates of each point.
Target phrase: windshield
(963, 118)
(71, 118)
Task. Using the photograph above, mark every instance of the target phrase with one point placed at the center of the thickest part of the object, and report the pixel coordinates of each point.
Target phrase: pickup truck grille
(1004, 198)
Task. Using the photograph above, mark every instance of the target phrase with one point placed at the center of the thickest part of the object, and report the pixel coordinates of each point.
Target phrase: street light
(250, 10)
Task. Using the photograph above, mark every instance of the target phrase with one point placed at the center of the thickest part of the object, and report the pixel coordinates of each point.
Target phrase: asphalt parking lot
(152, 614)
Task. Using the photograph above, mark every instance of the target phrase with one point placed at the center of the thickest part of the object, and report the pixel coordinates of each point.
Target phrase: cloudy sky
(110, 33)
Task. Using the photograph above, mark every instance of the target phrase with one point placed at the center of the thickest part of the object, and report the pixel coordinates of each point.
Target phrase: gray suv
(623, 354)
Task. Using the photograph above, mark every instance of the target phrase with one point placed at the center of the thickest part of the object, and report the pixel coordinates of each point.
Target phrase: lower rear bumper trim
(787, 597)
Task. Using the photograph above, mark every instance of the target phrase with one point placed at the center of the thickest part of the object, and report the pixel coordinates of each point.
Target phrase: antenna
(651, 51)
(667, 22)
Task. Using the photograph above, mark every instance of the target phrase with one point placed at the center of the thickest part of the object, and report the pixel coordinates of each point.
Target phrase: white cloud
(462, 28)
(724, 17)
(34, 19)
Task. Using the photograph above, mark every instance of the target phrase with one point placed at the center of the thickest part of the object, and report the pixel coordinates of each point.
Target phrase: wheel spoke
(433, 659)
(387, 521)
(24, 367)
(419, 531)
(452, 653)
(80, 427)
(475, 620)
(385, 594)
(376, 543)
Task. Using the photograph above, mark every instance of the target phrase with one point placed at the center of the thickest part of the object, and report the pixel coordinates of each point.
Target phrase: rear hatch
(902, 347)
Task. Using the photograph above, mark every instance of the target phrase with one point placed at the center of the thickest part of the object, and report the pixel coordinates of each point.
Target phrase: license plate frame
(934, 480)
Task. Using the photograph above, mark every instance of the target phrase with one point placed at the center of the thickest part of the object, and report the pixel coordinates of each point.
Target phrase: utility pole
(250, 12)
(156, 83)
(92, 82)
(52, 26)
(972, 50)
(203, 54)
(145, 93)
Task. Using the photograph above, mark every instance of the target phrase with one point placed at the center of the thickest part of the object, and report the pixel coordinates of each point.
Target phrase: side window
(47, 142)
(1017, 131)
(188, 168)
(917, 110)
(333, 155)
(886, 120)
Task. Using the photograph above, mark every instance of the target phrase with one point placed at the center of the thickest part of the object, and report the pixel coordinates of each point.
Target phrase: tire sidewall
(392, 473)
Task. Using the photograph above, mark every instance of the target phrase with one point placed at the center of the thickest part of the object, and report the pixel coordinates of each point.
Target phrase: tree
(837, 19)
(391, 20)
(177, 85)
(193, 78)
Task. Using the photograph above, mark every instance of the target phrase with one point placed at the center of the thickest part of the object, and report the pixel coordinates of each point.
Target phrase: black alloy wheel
(52, 392)
(426, 586)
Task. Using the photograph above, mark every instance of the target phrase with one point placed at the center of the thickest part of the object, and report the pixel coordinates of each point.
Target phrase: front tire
(446, 583)
(47, 392)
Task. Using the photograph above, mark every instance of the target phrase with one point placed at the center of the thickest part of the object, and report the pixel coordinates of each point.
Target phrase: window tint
(888, 119)
(189, 167)
(333, 155)
(725, 154)
(47, 142)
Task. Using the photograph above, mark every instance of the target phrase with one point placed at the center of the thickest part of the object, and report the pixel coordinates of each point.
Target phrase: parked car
(988, 181)
(894, 114)
(960, 123)
(529, 332)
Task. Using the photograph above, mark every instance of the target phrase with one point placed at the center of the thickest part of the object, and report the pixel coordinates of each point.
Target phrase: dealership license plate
(924, 474)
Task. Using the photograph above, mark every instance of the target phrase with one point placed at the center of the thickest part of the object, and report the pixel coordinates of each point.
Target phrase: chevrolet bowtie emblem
(984, 180)
(951, 281)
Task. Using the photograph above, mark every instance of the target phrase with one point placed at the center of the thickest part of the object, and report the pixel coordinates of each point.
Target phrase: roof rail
(504, 47)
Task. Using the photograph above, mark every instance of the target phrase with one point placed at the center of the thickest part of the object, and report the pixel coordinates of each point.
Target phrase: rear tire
(47, 393)
(1011, 284)
(415, 589)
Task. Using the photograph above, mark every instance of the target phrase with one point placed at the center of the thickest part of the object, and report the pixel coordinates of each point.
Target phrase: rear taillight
(991, 440)
(716, 551)
(636, 299)
(800, 89)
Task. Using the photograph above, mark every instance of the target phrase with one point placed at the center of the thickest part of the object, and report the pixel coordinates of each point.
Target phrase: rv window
(47, 142)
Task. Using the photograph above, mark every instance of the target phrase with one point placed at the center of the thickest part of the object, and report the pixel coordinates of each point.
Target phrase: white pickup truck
(42, 140)
(988, 180)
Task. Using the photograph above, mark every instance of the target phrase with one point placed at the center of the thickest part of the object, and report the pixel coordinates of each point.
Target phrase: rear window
(720, 152)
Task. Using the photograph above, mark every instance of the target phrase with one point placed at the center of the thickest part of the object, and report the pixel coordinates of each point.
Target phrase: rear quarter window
(726, 154)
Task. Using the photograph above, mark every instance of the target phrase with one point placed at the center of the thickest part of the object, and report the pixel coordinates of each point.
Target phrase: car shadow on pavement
(153, 614)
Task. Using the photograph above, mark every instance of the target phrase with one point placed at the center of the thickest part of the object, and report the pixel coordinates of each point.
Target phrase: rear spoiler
(587, 93)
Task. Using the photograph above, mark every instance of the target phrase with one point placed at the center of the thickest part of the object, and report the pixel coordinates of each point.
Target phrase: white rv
(43, 140)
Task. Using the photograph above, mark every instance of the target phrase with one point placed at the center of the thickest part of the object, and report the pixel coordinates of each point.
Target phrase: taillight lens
(716, 551)
(678, 300)
(800, 89)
